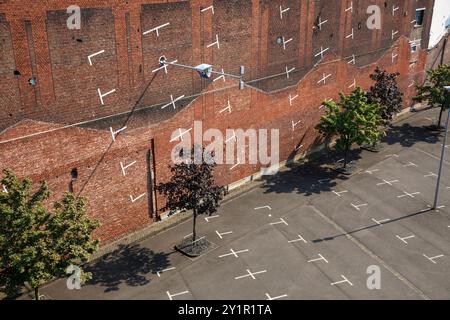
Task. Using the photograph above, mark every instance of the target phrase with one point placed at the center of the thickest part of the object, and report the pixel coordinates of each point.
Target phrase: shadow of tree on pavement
(129, 264)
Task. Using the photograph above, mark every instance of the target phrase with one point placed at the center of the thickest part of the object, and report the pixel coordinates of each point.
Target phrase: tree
(433, 90)
(353, 119)
(192, 187)
(36, 244)
(386, 93)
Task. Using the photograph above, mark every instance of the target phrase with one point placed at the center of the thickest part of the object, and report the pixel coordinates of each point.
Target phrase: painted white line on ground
(357, 207)
(275, 298)
(410, 164)
(165, 270)
(371, 254)
(188, 235)
(233, 253)
(392, 155)
(345, 280)
(265, 207)
(321, 181)
(211, 217)
(300, 238)
(318, 259)
(387, 182)
(380, 222)
(250, 274)
(176, 294)
(407, 194)
(223, 233)
(431, 174)
(433, 258)
(339, 193)
(403, 239)
(372, 171)
(281, 221)
(431, 155)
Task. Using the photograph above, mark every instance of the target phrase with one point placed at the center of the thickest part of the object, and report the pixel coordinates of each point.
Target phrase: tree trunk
(36, 293)
(346, 155)
(194, 234)
(440, 117)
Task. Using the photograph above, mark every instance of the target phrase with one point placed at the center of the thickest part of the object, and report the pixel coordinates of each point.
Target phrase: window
(419, 16)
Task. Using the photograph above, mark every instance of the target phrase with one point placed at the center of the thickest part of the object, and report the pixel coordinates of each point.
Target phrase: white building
(440, 22)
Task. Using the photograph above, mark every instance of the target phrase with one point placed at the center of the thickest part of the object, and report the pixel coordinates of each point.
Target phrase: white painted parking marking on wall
(300, 238)
(403, 239)
(156, 29)
(345, 280)
(227, 108)
(136, 199)
(180, 135)
(208, 8)
(433, 258)
(115, 133)
(164, 270)
(215, 43)
(250, 274)
(93, 55)
(175, 294)
(172, 102)
(234, 253)
(282, 11)
(126, 167)
(102, 95)
(221, 234)
(321, 258)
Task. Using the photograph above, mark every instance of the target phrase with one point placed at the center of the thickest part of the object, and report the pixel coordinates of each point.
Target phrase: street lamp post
(206, 70)
(441, 164)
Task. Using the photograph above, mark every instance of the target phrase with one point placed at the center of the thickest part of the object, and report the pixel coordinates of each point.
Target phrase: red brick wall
(247, 30)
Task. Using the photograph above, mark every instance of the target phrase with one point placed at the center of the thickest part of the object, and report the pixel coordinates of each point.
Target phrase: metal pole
(441, 164)
(193, 68)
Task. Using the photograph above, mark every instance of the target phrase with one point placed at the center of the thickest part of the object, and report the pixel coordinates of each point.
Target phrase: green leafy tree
(353, 120)
(386, 93)
(433, 90)
(36, 244)
(192, 187)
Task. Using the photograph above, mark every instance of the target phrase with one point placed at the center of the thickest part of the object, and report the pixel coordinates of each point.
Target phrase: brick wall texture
(60, 124)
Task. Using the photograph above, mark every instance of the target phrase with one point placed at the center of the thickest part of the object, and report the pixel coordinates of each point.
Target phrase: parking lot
(306, 233)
